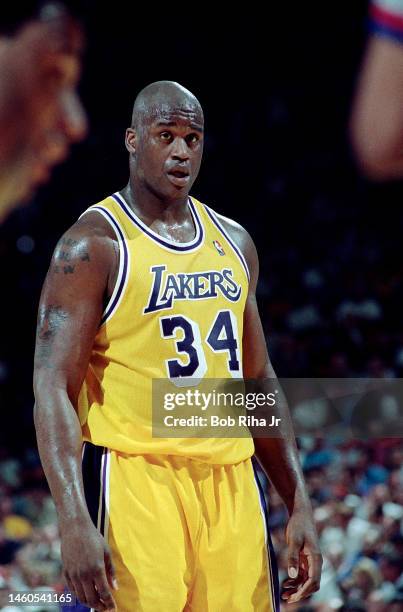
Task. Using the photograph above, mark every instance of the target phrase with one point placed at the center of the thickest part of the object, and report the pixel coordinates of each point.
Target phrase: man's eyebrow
(194, 126)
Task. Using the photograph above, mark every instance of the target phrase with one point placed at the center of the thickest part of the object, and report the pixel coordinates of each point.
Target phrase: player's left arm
(279, 455)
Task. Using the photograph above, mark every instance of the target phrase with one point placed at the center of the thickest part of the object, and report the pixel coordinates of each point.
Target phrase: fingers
(291, 586)
(75, 587)
(294, 548)
(92, 589)
(312, 564)
(72, 587)
(110, 570)
(314, 561)
(103, 591)
(91, 596)
(304, 591)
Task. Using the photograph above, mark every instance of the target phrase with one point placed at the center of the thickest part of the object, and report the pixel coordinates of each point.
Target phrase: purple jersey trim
(218, 225)
(103, 507)
(274, 582)
(197, 241)
(122, 281)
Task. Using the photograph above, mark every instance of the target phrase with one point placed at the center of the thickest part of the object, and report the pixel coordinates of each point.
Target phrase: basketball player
(377, 117)
(40, 112)
(150, 283)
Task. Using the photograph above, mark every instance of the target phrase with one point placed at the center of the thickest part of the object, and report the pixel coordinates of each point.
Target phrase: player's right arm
(80, 278)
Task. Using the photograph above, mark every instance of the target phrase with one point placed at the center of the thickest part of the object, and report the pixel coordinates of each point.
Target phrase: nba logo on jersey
(218, 247)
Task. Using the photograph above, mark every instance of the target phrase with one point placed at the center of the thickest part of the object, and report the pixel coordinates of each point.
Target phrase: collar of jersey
(165, 242)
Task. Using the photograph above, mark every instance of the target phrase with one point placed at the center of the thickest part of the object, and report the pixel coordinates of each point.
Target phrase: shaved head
(160, 99)
(165, 142)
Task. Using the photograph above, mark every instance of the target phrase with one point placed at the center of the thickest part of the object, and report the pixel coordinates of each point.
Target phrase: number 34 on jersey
(190, 347)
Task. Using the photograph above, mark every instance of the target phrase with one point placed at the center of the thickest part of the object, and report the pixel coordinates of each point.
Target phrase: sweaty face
(169, 149)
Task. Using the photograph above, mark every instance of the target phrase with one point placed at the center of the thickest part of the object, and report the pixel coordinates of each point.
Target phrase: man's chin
(171, 193)
(179, 192)
(178, 195)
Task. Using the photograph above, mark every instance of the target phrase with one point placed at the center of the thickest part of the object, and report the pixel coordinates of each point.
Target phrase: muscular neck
(149, 207)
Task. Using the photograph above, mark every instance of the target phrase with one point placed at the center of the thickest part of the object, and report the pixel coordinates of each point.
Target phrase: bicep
(69, 314)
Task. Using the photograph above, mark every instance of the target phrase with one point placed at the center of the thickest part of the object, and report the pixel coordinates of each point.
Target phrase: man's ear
(130, 140)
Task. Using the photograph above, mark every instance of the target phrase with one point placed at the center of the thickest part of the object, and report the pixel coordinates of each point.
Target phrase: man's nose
(180, 150)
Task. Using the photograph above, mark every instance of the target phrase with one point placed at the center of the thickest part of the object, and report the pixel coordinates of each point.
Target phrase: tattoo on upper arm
(63, 256)
(69, 242)
(50, 320)
(69, 250)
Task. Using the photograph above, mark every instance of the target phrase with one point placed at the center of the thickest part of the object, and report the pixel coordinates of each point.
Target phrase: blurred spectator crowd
(356, 490)
(29, 541)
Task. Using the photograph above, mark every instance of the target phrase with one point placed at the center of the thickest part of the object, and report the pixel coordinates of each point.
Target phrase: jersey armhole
(213, 216)
(124, 262)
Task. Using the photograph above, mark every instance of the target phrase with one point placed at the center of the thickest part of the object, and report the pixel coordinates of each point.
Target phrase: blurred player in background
(377, 118)
(40, 112)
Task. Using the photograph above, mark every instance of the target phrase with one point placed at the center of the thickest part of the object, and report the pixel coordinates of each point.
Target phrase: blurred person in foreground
(377, 116)
(40, 112)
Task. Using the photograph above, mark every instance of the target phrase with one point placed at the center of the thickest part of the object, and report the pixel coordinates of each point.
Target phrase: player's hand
(304, 557)
(87, 565)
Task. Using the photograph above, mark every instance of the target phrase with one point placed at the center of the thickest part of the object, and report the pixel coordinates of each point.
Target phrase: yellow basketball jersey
(176, 311)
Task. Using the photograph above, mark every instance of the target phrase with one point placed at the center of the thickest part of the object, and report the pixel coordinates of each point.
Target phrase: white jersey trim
(213, 217)
(165, 243)
(124, 262)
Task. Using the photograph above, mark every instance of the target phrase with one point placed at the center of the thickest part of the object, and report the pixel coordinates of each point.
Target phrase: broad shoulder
(243, 240)
(236, 232)
(90, 238)
(92, 225)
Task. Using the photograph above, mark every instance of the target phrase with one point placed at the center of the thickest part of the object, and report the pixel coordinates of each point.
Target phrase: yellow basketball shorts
(184, 535)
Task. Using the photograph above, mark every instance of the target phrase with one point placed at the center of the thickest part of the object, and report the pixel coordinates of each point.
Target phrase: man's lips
(180, 178)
